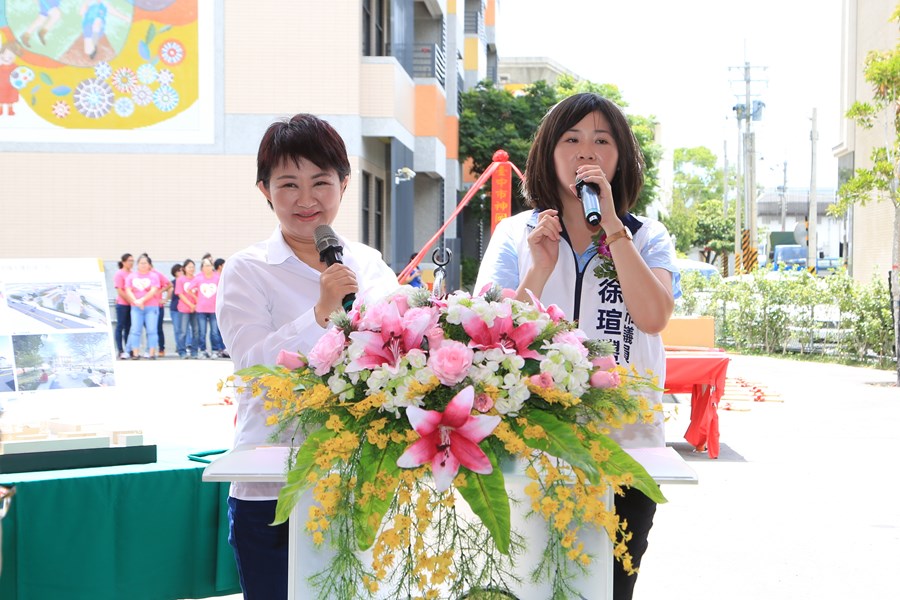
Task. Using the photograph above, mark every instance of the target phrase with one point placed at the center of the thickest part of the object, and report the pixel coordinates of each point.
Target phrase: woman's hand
(543, 241)
(334, 284)
(609, 220)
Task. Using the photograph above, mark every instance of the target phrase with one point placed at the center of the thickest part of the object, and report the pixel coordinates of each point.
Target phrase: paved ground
(801, 503)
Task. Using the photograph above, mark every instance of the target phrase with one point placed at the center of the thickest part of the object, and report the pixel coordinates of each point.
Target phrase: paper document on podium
(250, 463)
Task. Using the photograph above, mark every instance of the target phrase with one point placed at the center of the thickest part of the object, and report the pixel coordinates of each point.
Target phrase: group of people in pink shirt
(141, 295)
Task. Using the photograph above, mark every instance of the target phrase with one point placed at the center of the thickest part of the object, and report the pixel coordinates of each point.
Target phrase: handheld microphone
(589, 194)
(331, 252)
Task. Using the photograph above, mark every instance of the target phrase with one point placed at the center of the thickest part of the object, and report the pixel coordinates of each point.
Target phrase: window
(366, 202)
(378, 225)
(375, 19)
(372, 212)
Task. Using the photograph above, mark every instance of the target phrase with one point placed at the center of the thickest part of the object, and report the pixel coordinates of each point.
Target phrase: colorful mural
(98, 64)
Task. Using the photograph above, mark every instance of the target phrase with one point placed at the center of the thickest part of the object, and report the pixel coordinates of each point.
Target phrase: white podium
(266, 464)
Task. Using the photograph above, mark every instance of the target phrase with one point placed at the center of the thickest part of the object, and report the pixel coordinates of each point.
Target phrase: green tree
(493, 118)
(880, 181)
(27, 350)
(697, 217)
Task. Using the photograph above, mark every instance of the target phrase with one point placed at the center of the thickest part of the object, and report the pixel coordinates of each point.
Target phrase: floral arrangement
(606, 268)
(410, 407)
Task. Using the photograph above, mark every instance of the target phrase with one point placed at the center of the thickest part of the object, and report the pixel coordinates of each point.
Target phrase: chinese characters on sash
(613, 321)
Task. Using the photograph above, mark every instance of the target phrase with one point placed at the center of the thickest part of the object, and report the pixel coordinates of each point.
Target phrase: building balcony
(429, 60)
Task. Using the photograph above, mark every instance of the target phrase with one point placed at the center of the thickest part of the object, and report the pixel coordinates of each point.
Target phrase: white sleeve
(659, 253)
(244, 314)
(500, 264)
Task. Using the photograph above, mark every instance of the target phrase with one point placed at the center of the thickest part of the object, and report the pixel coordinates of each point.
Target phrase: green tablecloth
(137, 532)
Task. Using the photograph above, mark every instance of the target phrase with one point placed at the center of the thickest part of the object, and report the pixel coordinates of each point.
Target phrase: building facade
(385, 73)
(870, 227)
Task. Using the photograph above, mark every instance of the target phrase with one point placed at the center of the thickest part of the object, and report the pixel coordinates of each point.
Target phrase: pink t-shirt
(119, 283)
(163, 282)
(184, 286)
(140, 284)
(206, 292)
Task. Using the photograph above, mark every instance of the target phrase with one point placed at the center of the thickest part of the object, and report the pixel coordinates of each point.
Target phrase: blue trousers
(185, 338)
(143, 318)
(159, 328)
(260, 550)
(123, 326)
(215, 337)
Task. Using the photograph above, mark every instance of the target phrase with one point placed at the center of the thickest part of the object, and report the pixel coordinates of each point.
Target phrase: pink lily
(504, 334)
(397, 336)
(449, 439)
(553, 311)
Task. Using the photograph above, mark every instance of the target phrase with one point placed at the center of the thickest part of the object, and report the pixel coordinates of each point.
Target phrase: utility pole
(811, 252)
(746, 239)
(738, 211)
(725, 179)
(784, 198)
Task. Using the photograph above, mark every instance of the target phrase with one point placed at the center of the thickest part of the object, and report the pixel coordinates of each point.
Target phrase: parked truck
(785, 249)
(789, 257)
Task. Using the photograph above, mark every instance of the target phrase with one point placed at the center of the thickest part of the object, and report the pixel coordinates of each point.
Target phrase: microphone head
(326, 238)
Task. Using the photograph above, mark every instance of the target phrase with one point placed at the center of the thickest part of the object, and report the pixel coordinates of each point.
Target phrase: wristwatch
(622, 233)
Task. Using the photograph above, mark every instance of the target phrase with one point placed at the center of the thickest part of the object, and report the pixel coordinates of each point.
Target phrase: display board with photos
(57, 358)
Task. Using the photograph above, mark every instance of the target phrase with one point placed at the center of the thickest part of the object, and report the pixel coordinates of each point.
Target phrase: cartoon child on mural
(9, 95)
(49, 14)
(93, 24)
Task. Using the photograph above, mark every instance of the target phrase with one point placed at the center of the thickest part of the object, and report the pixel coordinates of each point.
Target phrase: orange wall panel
(451, 137)
(490, 13)
(431, 108)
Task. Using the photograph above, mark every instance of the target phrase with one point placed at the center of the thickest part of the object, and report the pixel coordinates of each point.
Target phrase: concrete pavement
(800, 503)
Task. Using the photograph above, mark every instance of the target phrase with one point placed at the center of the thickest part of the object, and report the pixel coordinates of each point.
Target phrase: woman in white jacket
(620, 287)
(279, 295)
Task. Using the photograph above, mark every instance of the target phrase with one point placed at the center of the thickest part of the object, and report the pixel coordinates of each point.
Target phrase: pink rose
(543, 379)
(435, 337)
(290, 360)
(451, 362)
(355, 317)
(605, 379)
(604, 362)
(556, 314)
(401, 302)
(572, 338)
(483, 402)
(327, 351)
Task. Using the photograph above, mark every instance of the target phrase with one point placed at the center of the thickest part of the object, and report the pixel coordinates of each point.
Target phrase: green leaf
(621, 462)
(488, 499)
(373, 461)
(151, 33)
(560, 442)
(46, 79)
(258, 371)
(297, 475)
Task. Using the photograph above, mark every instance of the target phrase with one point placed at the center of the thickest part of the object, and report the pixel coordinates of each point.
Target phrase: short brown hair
(541, 180)
(303, 136)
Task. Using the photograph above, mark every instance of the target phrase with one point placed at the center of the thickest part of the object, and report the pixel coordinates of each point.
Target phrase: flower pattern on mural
(114, 80)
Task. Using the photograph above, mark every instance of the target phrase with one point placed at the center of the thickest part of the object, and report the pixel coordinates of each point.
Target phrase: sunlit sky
(672, 60)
